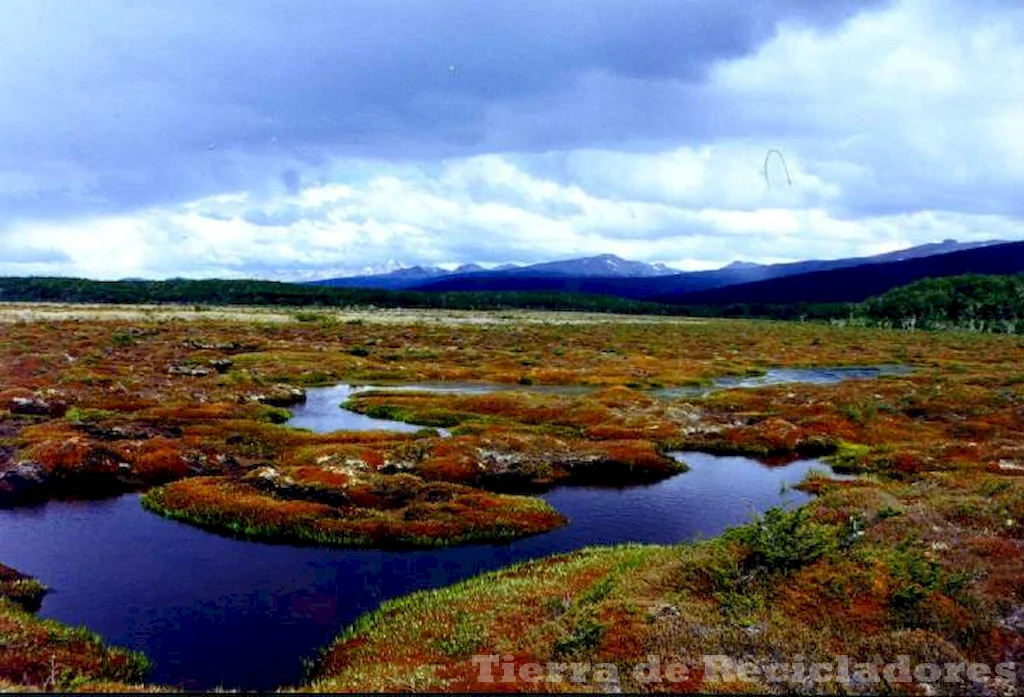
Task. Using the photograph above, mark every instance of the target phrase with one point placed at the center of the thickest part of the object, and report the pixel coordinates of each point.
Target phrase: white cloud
(922, 98)
(463, 215)
(902, 126)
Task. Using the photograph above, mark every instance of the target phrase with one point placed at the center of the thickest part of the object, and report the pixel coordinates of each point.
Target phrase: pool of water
(322, 411)
(785, 376)
(212, 611)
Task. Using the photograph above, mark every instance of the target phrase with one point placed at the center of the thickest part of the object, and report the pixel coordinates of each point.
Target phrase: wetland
(192, 492)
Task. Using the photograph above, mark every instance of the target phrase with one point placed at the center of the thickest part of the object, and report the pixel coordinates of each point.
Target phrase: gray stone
(221, 365)
(280, 396)
(195, 371)
(36, 406)
(664, 611)
(1015, 620)
(21, 482)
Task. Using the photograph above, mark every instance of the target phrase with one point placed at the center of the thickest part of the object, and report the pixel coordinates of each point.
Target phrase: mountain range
(601, 266)
(857, 283)
(611, 275)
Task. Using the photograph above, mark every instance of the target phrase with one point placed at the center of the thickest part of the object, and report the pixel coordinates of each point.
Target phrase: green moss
(83, 415)
(21, 589)
(583, 635)
(275, 415)
(466, 638)
(848, 457)
(433, 418)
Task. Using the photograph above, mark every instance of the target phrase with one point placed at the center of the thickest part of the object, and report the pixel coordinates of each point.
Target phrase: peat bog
(919, 554)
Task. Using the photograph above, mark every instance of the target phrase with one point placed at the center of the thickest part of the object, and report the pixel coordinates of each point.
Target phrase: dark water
(212, 611)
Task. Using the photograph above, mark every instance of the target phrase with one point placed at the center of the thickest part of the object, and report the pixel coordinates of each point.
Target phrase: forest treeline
(273, 293)
(973, 302)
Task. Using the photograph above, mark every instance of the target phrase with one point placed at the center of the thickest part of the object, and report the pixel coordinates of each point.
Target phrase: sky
(302, 139)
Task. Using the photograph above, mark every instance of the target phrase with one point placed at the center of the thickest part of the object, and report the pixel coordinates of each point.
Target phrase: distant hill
(602, 266)
(393, 280)
(650, 286)
(857, 283)
(934, 248)
(740, 265)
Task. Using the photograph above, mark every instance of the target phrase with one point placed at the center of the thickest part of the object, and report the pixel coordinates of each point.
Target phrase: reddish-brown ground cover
(931, 568)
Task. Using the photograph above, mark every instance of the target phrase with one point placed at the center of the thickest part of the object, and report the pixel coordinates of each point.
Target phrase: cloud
(127, 104)
(488, 209)
(917, 108)
(297, 140)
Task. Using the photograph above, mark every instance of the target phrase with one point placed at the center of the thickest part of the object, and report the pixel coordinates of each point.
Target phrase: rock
(36, 406)
(21, 482)
(398, 467)
(191, 370)
(1015, 620)
(280, 396)
(131, 431)
(663, 611)
(271, 480)
(498, 462)
(232, 346)
(221, 365)
(199, 463)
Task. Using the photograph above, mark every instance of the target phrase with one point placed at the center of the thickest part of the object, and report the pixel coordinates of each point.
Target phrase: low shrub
(784, 540)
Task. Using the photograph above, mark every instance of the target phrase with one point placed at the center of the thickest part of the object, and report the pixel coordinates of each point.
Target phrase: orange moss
(636, 455)
(399, 510)
(843, 595)
(319, 476)
(159, 459)
(73, 456)
(942, 444)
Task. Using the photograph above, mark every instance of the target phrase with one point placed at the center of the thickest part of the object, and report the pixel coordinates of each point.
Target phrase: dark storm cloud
(115, 105)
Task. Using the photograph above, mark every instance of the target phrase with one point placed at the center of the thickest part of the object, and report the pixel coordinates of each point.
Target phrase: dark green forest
(973, 302)
(221, 292)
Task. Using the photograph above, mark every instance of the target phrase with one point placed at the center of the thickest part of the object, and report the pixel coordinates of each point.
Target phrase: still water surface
(212, 611)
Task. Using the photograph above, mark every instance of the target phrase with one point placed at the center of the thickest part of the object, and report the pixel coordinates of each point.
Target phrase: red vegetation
(400, 510)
